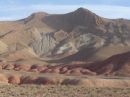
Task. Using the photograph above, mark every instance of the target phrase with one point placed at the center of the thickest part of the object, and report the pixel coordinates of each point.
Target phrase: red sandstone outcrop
(14, 79)
(22, 67)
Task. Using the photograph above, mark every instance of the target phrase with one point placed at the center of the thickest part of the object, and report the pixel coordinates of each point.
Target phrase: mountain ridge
(57, 37)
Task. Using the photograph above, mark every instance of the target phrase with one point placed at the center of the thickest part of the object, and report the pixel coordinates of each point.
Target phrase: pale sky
(18, 9)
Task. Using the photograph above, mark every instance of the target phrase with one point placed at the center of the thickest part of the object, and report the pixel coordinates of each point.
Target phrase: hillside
(117, 65)
(78, 37)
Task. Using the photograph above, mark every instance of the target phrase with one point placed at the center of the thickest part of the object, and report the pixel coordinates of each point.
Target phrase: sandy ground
(60, 91)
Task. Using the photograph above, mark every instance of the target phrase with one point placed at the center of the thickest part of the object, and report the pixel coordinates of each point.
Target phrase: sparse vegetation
(60, 91)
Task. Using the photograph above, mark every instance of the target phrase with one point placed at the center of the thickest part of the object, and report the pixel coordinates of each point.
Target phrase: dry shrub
(28, 80)
(47, 81)
(70, 82)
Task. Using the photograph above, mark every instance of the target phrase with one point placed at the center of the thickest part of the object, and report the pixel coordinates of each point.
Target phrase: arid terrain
(77, 54)
(60, 91)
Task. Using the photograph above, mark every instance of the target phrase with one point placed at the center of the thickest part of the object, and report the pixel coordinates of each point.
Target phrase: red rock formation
(41, 68)
(23, 67)
(115, 65)
(14, 79)
(9, 67)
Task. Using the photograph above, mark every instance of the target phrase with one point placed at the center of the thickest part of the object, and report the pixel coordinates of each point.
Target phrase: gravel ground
(60, 91)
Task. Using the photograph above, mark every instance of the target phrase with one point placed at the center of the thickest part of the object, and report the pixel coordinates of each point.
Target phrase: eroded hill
(78, 36)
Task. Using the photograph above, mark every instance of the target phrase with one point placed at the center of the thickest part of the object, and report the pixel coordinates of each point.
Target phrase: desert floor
(60, 91)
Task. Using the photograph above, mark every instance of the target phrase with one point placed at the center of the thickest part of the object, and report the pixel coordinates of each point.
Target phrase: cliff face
(44, 44)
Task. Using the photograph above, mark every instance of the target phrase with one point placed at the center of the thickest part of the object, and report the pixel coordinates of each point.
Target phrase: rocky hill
(117, 65)
(76, 36)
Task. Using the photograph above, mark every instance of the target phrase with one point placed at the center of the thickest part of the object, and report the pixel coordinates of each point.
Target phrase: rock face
(78, 35)
(44, 44)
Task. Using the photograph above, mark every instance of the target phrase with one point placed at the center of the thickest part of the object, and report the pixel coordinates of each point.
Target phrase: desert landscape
(60, 91)
(65, 55)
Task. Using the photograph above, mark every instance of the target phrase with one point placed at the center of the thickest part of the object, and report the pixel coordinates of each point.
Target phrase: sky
(18, 9)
